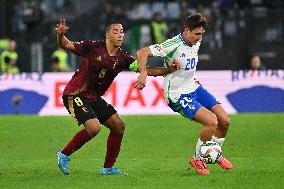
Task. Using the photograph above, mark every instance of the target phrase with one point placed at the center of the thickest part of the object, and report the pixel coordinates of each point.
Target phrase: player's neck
(111, 49)
(187, 42)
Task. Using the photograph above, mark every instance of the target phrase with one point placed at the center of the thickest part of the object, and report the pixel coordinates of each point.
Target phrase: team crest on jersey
(99, 58)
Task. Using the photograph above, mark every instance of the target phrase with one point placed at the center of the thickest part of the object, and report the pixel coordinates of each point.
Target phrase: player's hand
(175, 66)
(61, 27)
(140, 83)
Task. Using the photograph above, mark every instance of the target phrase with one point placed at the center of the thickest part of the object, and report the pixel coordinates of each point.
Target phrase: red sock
(113, 148)
(77, 142)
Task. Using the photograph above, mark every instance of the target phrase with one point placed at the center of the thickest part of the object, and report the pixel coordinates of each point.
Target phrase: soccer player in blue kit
(184, 94)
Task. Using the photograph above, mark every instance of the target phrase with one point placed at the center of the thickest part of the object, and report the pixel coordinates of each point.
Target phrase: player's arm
(161, 71)
(142, 57)
(156, 71)
(62, 41)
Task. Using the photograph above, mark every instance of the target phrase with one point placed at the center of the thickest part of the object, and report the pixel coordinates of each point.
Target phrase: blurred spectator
(4, 43)
(18, 22)
(120, 15)
(108, 12)
(159, 29)
(60, 61)
(33, 14)
(133, 41)
(159, 6)
(215, 27)
(226, 3)
(256, 64)
(140, 11)
(8, 59)
(173, 10)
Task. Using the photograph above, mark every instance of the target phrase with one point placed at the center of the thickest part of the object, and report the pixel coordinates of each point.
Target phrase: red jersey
(98, 69)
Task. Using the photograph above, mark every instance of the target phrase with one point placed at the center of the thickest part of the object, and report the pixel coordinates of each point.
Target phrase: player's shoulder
(99, 43)
(172, 41)
(124, 52)
(96, 43)
(125, 55)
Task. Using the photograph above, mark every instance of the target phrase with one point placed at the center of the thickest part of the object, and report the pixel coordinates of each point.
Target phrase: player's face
(193, 36)
(115, 35)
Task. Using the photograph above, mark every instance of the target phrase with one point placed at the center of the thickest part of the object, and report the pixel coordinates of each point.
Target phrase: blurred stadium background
(238, 30)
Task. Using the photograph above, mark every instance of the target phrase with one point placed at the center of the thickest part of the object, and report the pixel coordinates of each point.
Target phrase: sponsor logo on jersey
(99, 58)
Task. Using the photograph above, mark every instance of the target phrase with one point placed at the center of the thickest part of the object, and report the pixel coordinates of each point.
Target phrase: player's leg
(209, 101)
(223, 122)
(116, 126)
(109, 117)
(80, 109)
(190, 108)
(221, 132)
(209, 123)
(92, 128)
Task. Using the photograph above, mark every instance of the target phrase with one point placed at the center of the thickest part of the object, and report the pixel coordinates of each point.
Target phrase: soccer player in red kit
(102, 61)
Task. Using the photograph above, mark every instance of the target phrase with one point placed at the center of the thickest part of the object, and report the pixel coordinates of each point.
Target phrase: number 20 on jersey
(190, 63)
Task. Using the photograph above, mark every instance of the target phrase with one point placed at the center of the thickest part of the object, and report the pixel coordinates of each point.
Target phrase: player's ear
(187, 29)
(107, 35)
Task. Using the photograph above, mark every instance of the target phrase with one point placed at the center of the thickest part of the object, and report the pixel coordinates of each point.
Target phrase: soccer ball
(210, 152)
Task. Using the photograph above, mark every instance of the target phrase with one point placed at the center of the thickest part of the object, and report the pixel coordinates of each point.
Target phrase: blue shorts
(188, 104)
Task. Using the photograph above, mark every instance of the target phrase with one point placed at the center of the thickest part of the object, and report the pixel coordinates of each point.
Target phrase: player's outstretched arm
(161, 71)
(142, 57)
(62, 41)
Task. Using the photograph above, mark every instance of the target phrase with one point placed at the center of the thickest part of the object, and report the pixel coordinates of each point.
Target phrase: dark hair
(195, 21)
(108, 25)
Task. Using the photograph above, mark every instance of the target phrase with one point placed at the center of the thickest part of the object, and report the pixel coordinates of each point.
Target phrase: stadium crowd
(230, 22)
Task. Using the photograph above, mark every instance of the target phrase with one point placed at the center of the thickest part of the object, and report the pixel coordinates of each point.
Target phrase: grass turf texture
(155, 152)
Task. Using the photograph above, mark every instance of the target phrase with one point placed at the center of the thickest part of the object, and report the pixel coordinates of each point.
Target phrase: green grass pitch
(155, 152)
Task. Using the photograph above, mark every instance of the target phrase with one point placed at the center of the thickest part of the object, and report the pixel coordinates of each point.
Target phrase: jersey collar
(118, 52)
(182, 39)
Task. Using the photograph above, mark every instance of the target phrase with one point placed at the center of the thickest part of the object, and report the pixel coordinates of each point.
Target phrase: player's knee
(119, 127)
(224, 122)
(212, 122)
(94, 130)
(93, 127)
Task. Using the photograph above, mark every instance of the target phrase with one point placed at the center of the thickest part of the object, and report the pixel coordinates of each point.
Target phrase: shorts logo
(85, 109)
(187, 102)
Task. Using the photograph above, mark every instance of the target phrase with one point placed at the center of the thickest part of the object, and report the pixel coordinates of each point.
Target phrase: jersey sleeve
(165, 48)
(83, 48)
